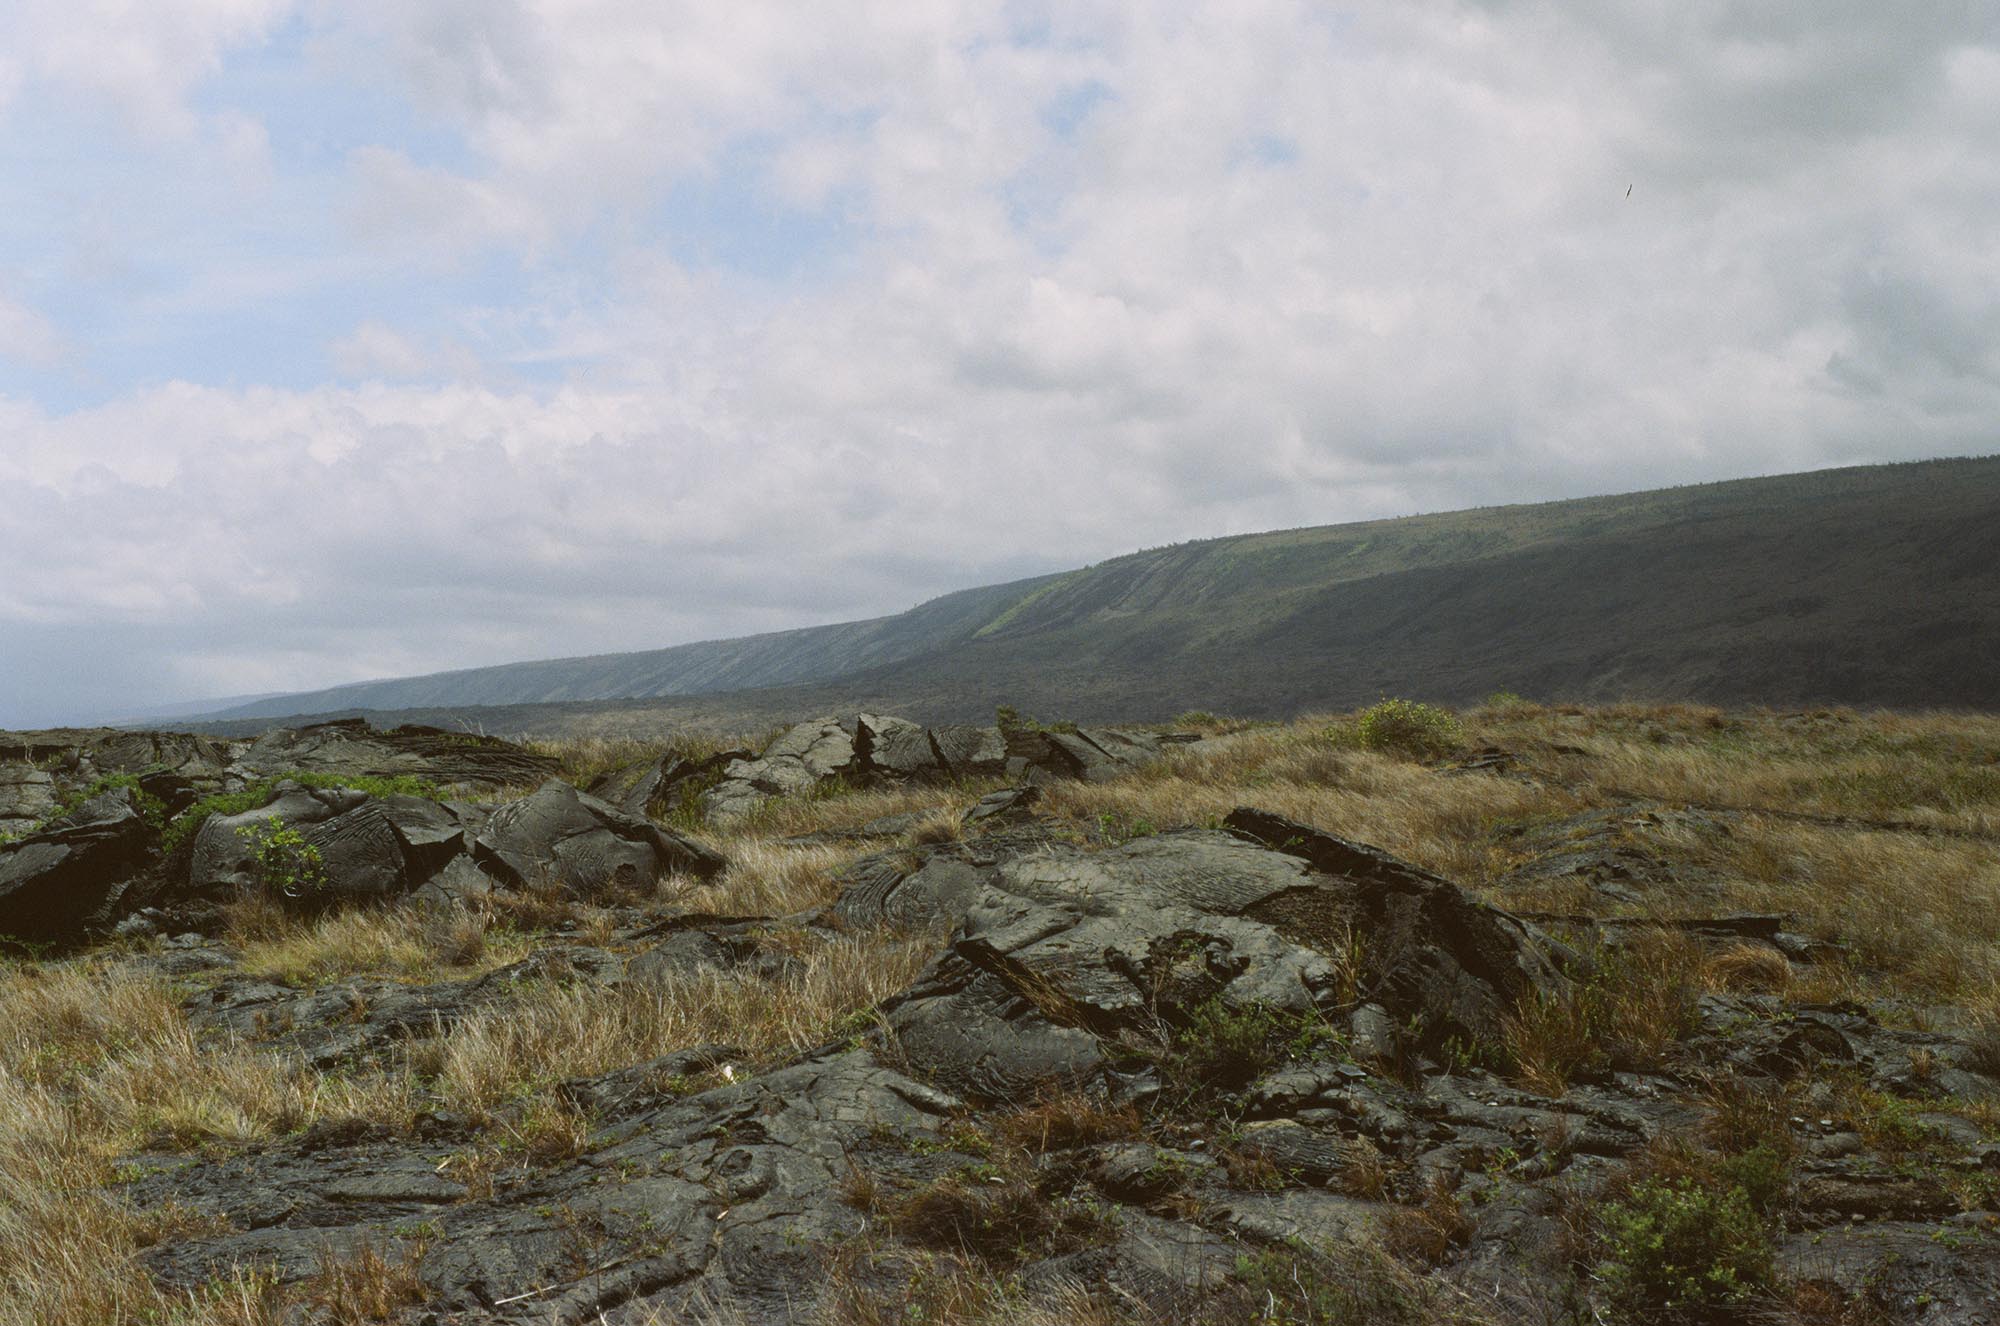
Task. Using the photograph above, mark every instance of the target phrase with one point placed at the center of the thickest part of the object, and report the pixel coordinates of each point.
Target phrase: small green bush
(1009, 719)
(1764, 1173)
(1675, 1249)
(286, 862)
(1219, 1050)
(1408, 727)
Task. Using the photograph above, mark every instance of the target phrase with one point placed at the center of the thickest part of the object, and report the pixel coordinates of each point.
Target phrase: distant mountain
(778, 658)
(1875, 585)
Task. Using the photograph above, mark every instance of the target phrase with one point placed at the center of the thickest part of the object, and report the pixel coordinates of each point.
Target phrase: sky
(344, 339)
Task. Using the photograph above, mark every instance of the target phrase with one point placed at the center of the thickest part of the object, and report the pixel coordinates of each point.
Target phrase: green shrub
(1408, 727)
(286, 863)
(1009, 719)
(1680, 1249)
(1764, 1173)
(1219, 1050)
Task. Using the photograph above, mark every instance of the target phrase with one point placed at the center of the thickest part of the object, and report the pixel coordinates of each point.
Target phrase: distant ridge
(1874, 585)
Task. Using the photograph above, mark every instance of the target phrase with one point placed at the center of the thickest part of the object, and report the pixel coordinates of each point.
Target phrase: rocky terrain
(1534, 1015)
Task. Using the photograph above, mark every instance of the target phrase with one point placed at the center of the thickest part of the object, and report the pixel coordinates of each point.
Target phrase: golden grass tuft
(553, 1032)
(1753, 967)
(364, 1285)
(1626, 1009)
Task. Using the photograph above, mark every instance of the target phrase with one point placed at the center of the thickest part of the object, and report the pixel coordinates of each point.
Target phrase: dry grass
(363, 1286)
(1875, 831)
(1064, 1119)
(398, 942)
(764, 878)
(555, 1032)
(1924, 911)
(1442, 823)
(1936, 769)
(98, 1061)
(1628, 1009)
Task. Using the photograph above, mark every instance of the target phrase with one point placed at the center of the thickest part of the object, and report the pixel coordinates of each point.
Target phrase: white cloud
(27, 337)
(140, 56)
(375, 350)
(1107, 275)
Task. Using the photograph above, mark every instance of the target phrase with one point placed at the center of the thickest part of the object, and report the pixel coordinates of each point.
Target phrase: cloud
(139, 57)
(27, 337)
(1101, 276)
(375, 350)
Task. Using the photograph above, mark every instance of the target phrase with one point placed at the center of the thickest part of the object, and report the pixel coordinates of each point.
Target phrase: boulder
(369, 847)
(1428, 948)
(1007, 804)
(1061, 950)
(67, 877)
(1097, 754)
(561, 834)
(224, 857)
(641, 788)
(971, 752)
(351, 748)
(872, 750)
(798, 761)
(896, 749)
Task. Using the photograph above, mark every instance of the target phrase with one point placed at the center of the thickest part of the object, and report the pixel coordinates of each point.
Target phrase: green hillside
(1873, 585)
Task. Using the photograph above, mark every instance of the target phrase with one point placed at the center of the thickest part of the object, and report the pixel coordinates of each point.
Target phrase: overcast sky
(357, 338)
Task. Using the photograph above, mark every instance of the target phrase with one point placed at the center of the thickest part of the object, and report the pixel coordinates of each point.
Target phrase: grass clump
(1409, 728)
(1625, 1008)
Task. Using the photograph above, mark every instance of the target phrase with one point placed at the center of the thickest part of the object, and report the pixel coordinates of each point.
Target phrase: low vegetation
(1875, 835)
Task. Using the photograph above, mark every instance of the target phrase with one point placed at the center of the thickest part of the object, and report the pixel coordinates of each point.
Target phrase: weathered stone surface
(1059, 965)
(1009, 803)
(351, 748)
(873, 750)
(1941, 1275)
(559, 833)
(798, 761)
(364, 1016)
(224, 855)
(729, 1198)
(459, 882)
(361, 853)
(896, 748)
(1620, 855)
(1428, 948)
(651, 786)
(70, 875)
(430, 835)
(971, 752)
(27, 797)
(1062, 947)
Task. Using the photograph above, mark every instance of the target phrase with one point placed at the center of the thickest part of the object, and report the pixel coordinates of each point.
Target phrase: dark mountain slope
(1847, 601)
(1876, 585)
